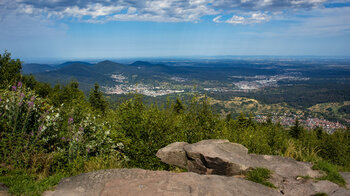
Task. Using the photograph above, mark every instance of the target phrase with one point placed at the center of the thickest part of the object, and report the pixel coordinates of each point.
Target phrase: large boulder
(225, 158)
(151, 183)
(222, 157)
(174, 154)
(217, 157)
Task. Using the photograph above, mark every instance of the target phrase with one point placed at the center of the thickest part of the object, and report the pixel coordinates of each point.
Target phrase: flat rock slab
(151, 183)
(346, 176)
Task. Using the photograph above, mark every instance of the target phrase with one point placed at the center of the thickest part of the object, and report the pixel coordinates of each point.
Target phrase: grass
(331, 171)
(260, 175)
(22, 183)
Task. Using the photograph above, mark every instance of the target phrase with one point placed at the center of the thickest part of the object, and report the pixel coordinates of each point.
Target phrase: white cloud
(217, 19)
(93, 10)
(249, 19)
(156, 10)
(323, 22)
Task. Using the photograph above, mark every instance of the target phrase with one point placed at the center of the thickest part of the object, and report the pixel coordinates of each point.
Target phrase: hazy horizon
(57, 60)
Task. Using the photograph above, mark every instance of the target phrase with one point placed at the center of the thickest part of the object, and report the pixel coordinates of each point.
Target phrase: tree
(229, 117)
(97, 99)
(10, 70)
(178, 107)
(296, 129)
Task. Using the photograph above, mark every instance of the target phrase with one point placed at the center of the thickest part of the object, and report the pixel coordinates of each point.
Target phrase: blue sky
(77, 29)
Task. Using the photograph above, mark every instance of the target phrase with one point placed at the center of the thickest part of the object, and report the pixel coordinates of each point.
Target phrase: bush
(260, 175)
(331, 172)
(30, 137)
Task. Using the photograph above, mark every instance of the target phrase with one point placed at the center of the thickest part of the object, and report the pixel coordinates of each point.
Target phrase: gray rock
(174, 154)
(225, 158)
(311, 187)
(284, 166)
(3, 190)
(151, 183)
(340, 192)
(222, 157)
(346, 176)
(217, 157)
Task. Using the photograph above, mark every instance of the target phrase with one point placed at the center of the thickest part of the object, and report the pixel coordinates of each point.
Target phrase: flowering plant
(31, 125)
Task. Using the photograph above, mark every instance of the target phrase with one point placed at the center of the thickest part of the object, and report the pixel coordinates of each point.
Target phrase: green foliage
(10, 70)
(26, 121)
(331, 171)
(22, 183)
(258, 138)
(296, 130)
(345, 109)
(42, 89)
(29, 136)
(97, 101)
(260, 175)
(178, 107)
(336, 147)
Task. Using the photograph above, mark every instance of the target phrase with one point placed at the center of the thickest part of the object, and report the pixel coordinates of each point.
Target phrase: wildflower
(30, 104)
(40, 128)
(14, 88)
(81, 129)
(19, 84)
(70, 120)
(88, 150)
(32, 98)
(20, 103)
(22, 95)
(63, 139)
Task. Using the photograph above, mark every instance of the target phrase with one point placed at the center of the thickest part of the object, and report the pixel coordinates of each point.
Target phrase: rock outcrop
(131, 182)
(222, 157)
(225, 158)
(346, 176)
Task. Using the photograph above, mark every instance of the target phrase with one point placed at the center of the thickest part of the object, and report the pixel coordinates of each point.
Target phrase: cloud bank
(101, 11)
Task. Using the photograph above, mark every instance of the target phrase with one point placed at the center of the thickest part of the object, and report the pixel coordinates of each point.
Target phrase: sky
(101, 29)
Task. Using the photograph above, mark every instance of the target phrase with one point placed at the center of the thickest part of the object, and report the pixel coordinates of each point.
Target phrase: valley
(312, 90)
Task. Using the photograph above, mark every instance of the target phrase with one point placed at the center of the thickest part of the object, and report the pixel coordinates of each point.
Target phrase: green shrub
(331, 171)
(22, 183)
(260, 175)
(30, 138)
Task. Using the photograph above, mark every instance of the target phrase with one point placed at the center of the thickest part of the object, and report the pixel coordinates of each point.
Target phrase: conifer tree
(97, 99)
(296, 129)
(178, 107)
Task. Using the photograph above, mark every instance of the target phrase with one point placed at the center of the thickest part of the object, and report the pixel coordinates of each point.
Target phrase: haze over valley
(284, 88)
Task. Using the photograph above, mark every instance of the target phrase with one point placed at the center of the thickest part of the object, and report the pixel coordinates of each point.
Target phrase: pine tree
(178, 107)
(296, 130)
(97, 99)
